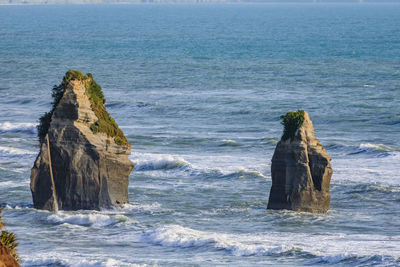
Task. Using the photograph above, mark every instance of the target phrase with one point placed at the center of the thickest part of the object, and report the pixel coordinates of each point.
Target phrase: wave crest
(18, 127)
(12, 151)
(326, 248)
(178, 236)
(149, 162)
(376, 147)
(166, 162)
(93, 219)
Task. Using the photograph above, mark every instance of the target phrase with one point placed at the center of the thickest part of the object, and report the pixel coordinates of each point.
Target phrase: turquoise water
(198, 90)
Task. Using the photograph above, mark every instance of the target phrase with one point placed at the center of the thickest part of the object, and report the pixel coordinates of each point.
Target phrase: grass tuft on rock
(105, 124)
(9, 241)
(291, 122)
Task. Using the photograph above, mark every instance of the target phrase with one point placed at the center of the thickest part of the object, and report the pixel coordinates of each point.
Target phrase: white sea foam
(369, 85)
(150, 162)
(373, 170)
(229, 142)
(178, 236)
(8, 207)
(245, 172)
(92, 219)
(12, 184)
(7, 151)
(142, 207)
(331, 248)
(51, 260)
(221, 166)
(18, 127)
(377, 147)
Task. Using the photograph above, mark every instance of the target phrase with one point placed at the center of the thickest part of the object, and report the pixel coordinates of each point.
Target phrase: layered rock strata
(301, 170)
(80, 165)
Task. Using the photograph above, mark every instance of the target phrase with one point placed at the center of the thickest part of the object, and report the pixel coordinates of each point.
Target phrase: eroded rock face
(90, 170)
(8, 244)
(301, 173)
(6, 257)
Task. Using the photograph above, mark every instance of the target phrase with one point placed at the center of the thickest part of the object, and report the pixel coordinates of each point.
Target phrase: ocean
(199, 91)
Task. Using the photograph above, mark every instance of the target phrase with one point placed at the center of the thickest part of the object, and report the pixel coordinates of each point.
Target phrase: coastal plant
(105, 123)
(291, 122)
(9, 241)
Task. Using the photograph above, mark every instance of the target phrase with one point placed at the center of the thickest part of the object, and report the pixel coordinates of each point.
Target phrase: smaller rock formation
(83, 160)
(8, 243)
(301, 170)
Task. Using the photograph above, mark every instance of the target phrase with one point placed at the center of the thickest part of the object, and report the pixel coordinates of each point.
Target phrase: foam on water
(18, 127)
(204, 166)
(376, 147)
(151, 162)
(229, 142)
(47, 260)
(373, 170)
(142, 207)
(91, 219)
(12, 151)
(13, 184)
(331, 248)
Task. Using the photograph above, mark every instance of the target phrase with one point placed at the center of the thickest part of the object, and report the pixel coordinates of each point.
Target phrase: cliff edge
(83, 160)
(301, 170)
(8, 244)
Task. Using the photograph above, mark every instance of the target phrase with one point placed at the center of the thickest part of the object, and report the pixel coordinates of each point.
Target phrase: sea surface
(199, 91)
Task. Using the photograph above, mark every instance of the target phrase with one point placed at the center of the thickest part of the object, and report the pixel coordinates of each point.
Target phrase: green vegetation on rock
(105, 124)
(291, 121)
(9, 241)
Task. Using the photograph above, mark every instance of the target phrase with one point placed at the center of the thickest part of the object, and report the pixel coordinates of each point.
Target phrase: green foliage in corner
(9, 240)
(106, 124)
(291, 121)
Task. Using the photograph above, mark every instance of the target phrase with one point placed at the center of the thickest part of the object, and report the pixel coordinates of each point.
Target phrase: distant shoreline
(102, 2)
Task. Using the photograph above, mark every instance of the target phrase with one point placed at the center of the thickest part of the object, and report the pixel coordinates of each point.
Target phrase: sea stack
(301, 170)
(83, 160)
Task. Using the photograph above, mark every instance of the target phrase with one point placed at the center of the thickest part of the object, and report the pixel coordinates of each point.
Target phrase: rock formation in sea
(83, 160)
(301, 170)
(8, 244)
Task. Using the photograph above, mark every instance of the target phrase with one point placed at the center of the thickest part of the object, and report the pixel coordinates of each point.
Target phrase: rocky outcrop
(83, 160)
(301, 170)
(8, 244)
(6, 257)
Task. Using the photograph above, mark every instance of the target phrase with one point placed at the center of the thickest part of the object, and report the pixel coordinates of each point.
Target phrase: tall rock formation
(83, 160)
(301, 170)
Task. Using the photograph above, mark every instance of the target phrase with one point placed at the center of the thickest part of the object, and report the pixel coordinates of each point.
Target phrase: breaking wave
(49, 260)
(12, 151)
(326, 248)
(166, 162)
(151, 162)
(93, 219)
(18, 127)
(142, 207)
(366, 148)
(229, 142)
(375, 147)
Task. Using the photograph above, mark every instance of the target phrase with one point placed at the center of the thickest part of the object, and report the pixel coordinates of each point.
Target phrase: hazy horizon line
(73, 2)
